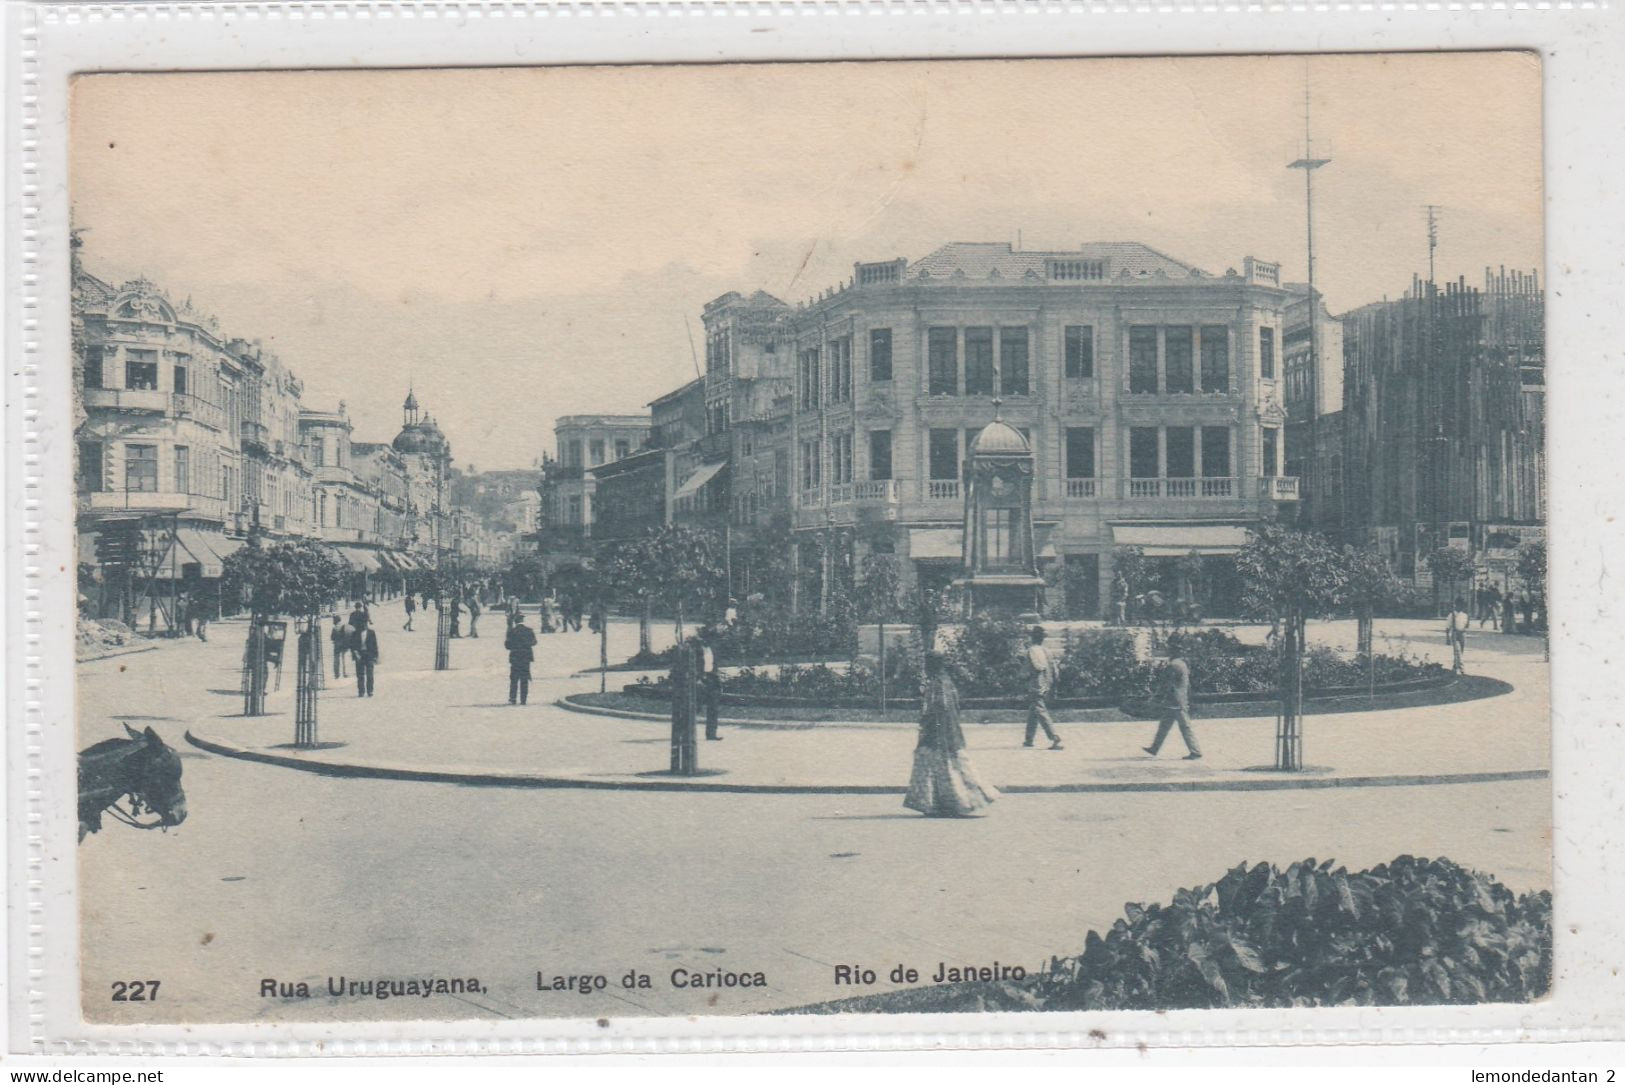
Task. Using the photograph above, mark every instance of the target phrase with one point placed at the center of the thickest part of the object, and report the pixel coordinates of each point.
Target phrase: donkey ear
(152, 736)
(133, 733)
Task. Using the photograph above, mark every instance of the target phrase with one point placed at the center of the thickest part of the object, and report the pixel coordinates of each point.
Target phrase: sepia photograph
(670, 541)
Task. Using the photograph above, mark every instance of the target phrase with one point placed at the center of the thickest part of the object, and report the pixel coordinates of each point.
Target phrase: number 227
(135, 991)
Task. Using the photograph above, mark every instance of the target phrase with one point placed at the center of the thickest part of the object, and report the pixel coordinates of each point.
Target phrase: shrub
(821, 683)
(988, 657)
(1410, 931)
(768, 632)
(1098, 664)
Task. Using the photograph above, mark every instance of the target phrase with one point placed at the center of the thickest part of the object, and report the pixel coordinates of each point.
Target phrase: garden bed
(647, 699)
(662, 693)
(662, 661)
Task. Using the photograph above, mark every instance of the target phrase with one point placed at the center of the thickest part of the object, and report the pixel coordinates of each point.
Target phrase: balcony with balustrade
(875, 492)
(1082, 489)
(184, 405)
(255, 437)
(128, 399)
(1189, 489)
(943, 489)
(1279, 488)
(714, 447)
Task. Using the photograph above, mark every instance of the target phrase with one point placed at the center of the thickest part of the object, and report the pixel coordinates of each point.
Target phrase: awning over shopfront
(936, 542)
(225, 545)
(194, 546)
(692, 484)
(1177, 540)
(361, 559)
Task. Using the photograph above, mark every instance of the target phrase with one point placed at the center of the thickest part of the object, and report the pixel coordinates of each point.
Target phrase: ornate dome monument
(1001, 569)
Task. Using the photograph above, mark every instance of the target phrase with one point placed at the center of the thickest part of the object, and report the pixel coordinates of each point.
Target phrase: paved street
(285, 875)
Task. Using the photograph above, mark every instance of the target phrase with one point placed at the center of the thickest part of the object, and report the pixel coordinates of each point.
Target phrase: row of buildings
(1169, 408)
(189, 441)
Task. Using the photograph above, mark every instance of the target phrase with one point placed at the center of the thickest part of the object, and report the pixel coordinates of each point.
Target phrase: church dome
(421, 439)
(1000, 437)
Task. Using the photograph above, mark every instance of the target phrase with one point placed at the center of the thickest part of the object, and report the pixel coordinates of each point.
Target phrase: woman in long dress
(944, 783)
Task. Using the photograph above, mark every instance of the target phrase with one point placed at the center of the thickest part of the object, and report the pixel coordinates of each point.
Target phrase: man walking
(1039, 683)
(474, 615)
(1176, 705)
(457, 616)
(1489, 607)
(1455, 632)
(366, 659)
(521, 644)
(411, 609)
(340, 636)
(360, 618)
(710, 683)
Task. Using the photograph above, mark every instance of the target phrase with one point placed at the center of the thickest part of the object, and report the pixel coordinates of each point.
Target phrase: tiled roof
(1000, 260)
(94, 290)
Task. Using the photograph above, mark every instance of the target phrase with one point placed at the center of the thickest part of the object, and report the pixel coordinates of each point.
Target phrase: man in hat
(710, 682)
(1176, 703)
(520, 643)
(1040, 681)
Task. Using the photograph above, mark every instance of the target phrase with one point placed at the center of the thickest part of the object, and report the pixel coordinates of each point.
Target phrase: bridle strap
(128, 817)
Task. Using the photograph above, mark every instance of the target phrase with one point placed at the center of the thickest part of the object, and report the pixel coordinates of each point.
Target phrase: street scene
(295, 875)
(857, 595)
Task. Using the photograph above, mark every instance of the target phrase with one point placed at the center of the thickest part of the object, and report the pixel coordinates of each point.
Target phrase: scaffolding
(1444, 427)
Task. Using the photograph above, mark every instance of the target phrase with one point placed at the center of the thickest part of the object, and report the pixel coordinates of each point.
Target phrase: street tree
(1130, 563)
(1290, 577)
(688, 563)
(1532, 571)
(1371, 584)
(1450, 567)
(882, 599)
(298, 579)
(1192, 581)
(626, 567)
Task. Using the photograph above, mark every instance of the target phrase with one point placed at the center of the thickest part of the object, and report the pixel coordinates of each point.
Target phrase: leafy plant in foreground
(1410, 931)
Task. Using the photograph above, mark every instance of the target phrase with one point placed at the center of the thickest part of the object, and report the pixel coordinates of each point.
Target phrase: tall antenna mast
(689, 328)
(1309, 164)
(1433, 236)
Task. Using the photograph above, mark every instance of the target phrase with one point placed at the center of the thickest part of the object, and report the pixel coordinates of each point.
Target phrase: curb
(526, 780)
(121, 652)
(569, 705)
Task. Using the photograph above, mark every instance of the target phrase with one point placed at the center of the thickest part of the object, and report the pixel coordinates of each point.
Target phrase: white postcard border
(1585, 155)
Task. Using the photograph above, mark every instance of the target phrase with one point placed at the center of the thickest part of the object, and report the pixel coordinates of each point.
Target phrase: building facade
(188, 442)
(1149, 390)
(1444, 420)
(1314, 410)
(583, 442)
(166, 489)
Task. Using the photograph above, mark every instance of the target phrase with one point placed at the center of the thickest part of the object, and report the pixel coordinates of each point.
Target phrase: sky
(519, 244)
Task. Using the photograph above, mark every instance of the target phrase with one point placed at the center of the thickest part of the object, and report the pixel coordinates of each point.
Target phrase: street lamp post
(1438, 443)
(829, 562)
(256, 663)
(442, 620)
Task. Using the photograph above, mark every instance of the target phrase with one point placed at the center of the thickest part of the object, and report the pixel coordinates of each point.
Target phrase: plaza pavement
(297, 876)
(457, 725)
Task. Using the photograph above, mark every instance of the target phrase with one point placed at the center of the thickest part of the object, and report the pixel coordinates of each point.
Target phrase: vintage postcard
(1020, 536)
